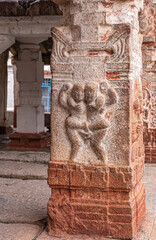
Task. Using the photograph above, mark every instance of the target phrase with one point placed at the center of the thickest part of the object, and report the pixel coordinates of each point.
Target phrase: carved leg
(75, 142)
(95, 143)
(99, 125)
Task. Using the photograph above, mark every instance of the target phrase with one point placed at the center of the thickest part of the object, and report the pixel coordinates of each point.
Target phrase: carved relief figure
(96, 106)
(76, 122)
(138, 123)
(146, 19)
(137, 127)
(86, 105)
(153, 110)
(147, 107)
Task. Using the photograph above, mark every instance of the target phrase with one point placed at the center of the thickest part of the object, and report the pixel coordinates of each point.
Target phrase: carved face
(78, 92)
(90, 92)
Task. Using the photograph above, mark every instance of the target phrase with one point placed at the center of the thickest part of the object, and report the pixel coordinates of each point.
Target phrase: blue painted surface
(46, 94)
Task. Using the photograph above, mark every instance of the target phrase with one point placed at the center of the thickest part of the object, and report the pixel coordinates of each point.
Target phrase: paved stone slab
(18, 231)
(23, 201)
(149, 180)
(146, 227)
(153, 234)
(22, 170)
(45, 236)
(25, 156)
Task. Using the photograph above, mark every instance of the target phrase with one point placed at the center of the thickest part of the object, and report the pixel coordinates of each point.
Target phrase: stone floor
(24, 194)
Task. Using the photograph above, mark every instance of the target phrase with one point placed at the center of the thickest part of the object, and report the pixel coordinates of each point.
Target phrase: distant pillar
(3, 93)
(30, 132)
(147, 21)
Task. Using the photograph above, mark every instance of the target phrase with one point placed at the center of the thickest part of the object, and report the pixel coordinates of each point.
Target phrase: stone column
(97, 153)
(3, 92)
(147, 19)
(30, 112)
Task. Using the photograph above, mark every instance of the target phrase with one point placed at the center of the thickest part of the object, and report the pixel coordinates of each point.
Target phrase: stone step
(23, 170)
(25, 156)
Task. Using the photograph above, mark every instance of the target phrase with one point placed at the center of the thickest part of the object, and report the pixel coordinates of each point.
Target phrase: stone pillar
(3, 92)
(30, 112)
(147, 19)
(97, 153)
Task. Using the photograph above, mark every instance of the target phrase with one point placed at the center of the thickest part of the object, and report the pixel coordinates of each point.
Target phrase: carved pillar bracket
(97, 154)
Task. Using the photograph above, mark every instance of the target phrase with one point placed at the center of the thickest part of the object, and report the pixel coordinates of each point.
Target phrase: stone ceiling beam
(60, 1)
(6, 42)
(39, 26)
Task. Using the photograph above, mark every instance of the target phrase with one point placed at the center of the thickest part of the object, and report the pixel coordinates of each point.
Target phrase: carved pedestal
(97, 152)
(29, 141)
(95, 200)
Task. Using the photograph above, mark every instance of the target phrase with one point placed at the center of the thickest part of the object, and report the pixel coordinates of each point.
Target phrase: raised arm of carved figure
(110, 94)
(71, 102)
(97, 104)
(64, 95)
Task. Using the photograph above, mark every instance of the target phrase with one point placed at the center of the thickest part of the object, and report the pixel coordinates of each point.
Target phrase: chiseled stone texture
(23, 200)
(95, 200)
(18, 231)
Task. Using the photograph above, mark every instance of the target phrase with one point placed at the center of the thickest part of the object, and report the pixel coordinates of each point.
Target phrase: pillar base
(6, 130)
(150, 145)
(29, 141)
(95, 200)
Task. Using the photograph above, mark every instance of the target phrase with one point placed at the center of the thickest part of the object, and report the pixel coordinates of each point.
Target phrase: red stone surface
(29, 141)
(95, 200)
